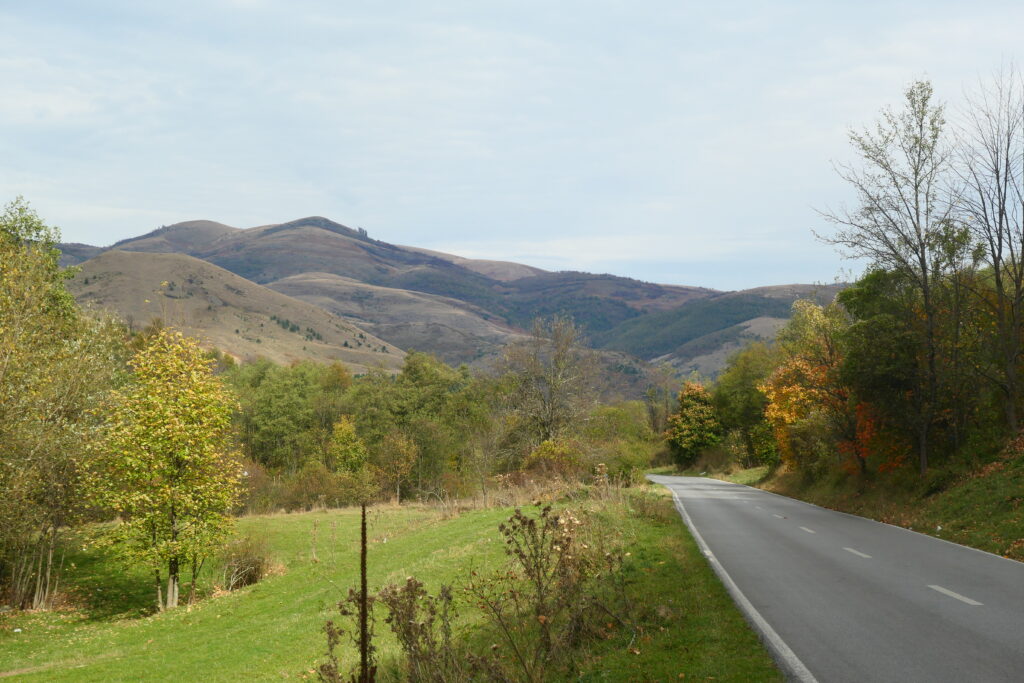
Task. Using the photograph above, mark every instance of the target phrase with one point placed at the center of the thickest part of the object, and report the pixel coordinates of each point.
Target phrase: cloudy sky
(676, 141)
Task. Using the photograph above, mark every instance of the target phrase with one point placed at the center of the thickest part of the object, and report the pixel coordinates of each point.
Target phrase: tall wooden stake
(364, 636)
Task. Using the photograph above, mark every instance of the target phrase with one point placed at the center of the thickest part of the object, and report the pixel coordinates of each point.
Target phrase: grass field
(271, 631)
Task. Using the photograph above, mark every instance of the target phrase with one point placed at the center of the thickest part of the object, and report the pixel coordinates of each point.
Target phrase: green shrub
(561, 457)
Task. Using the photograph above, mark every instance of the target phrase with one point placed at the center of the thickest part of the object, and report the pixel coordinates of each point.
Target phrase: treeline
(167, 441)
(432, 431)
(918, 362)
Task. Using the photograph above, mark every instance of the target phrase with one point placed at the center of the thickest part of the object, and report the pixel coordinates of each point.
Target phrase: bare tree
(992, 168)
(904, 216)
(551, 376)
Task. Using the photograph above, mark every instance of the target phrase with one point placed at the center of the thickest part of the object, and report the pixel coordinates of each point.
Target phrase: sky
(677, 142)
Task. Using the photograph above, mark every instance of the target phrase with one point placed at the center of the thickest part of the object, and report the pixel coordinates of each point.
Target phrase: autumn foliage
(695, 427)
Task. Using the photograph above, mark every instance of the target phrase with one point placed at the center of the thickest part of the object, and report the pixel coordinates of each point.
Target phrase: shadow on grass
(105, 588)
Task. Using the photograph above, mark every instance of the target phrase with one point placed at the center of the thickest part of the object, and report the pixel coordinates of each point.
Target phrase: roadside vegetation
(901, 399)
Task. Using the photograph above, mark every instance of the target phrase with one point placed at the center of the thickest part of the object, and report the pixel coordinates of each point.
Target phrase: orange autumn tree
(809, 407)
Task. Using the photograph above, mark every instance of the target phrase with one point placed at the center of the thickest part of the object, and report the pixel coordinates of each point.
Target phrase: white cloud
(586, 135)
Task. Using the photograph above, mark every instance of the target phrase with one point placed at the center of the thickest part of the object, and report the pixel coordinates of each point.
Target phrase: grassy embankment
(981, 507)
(271, 631)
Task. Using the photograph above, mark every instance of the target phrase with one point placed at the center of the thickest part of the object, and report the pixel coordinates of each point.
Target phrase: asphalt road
(844, 598)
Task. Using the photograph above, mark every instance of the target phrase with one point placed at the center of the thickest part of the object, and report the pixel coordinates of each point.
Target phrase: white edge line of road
(794, 668)
(868, 519)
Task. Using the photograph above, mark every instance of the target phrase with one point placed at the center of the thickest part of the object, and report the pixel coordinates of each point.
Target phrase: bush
(261, 492)
(548, 599)
(246, 561)
(625, 461)
(558, 457)
(423, 625)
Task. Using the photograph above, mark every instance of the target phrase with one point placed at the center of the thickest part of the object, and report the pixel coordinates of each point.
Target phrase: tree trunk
(933, 375)
(1012, 391)
(922, 447)
(197, 567)
(172, 583)
(159, 591)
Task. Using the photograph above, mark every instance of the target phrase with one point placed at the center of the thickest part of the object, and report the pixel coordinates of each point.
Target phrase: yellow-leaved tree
(166, 466)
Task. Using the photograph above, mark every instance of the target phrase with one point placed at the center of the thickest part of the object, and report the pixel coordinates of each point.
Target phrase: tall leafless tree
(552, 378)
(991, 156)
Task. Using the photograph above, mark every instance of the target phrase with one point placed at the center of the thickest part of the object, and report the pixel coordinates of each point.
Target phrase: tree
(808, 404)
(992, 169)
(166, 468)
(659, 397)
(278, 419)
(695, 428)
(738, 401)
(551, 378)
(394, 460)
(345, 450)
(55, 363)
(906, 205)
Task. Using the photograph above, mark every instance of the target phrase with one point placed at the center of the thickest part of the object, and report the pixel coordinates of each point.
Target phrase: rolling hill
(224, 310)
(463, 310)
(701, 335)
(455, 331)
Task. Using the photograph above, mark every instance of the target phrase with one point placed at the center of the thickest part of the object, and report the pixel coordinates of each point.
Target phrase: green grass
(982, 508)
(271, 631)
(692, 629)
(748, 477)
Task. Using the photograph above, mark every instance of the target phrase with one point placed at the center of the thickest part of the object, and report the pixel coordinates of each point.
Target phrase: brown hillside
(454, 330)
(72, 254)
(225, 311)
(503, 271)
(464, 310)
(189, 237)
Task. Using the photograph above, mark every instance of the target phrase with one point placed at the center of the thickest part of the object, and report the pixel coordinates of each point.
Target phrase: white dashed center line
(810, 531)
(779, 516)
(857, 553)
(955, 596)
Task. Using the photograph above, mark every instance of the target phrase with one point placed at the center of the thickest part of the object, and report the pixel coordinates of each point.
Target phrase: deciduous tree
(54, 363)
(696, 427)
(166, 467)
(906, 203)
(992, 167)
(551, 377)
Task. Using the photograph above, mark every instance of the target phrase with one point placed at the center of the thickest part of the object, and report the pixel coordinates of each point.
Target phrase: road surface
(843, 598)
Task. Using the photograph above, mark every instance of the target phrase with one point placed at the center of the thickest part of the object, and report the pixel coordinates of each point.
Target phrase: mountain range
(314, 288)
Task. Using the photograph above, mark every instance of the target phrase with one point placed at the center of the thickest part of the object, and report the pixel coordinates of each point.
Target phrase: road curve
(843, 598)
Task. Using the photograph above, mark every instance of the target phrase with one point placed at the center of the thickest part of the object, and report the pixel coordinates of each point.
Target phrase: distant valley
(313, 288)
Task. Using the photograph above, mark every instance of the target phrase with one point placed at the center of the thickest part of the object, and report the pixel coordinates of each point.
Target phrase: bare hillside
(225, 311)
(454, 330)
(503, 271)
